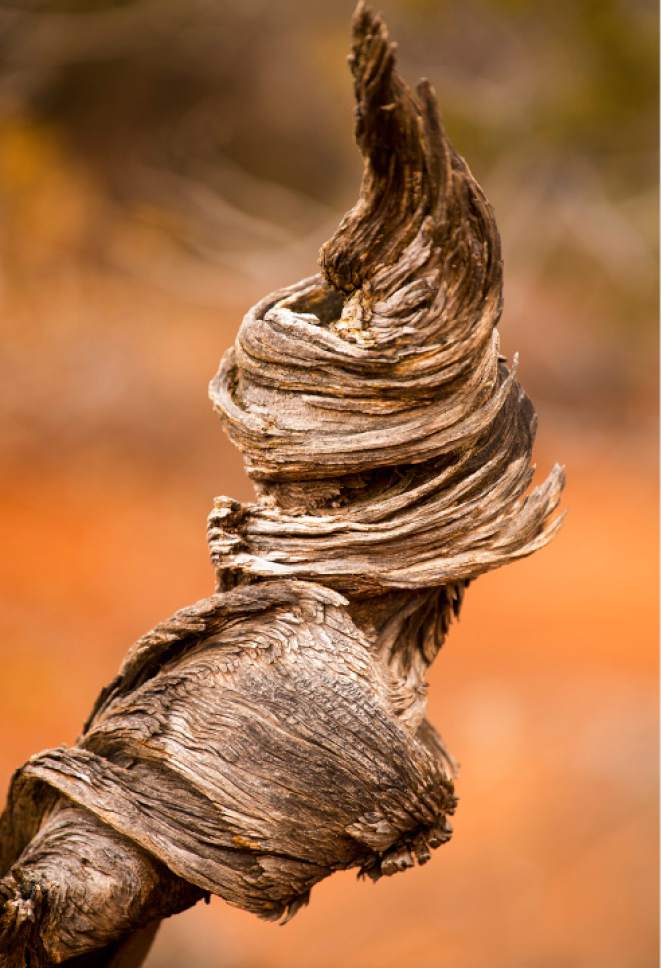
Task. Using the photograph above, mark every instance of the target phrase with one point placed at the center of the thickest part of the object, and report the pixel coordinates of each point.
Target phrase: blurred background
(165, 164)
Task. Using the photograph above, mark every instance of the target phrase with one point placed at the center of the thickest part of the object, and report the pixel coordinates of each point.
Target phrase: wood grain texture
(275, 732)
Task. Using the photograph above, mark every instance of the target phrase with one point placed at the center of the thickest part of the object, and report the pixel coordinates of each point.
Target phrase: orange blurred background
(162, 166)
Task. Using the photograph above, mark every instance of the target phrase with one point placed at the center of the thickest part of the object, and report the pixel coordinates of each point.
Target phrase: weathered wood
(275, 732)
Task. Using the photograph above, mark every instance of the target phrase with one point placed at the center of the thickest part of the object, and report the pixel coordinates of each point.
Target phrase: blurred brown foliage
(164, 164)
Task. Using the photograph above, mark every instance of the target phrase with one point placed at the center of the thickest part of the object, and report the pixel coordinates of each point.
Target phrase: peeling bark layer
(275, 732)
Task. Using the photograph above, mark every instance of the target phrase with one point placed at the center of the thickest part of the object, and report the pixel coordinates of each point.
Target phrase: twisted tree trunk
(275, 732)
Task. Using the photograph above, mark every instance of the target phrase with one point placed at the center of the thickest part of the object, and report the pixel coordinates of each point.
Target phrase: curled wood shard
(275, 732)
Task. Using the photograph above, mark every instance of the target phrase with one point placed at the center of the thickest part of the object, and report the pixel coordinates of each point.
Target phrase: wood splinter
(275, 732)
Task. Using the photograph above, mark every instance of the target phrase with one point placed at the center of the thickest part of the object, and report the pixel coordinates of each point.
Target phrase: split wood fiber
(275, 732)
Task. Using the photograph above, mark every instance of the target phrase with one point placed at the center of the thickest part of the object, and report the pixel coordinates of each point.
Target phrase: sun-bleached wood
(275, 732)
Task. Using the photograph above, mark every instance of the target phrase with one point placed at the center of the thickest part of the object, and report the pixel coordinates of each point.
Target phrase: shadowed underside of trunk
(275, 732)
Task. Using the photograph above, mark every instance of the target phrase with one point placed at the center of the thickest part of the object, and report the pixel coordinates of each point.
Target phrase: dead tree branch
(275, 732)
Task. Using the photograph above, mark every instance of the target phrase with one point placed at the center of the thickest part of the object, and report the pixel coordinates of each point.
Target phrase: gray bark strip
(275, 732)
